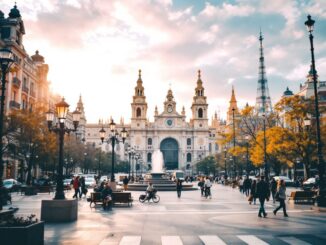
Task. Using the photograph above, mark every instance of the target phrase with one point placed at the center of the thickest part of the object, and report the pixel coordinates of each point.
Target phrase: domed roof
(14, 12)
(2, 15)
(37, 57)
(287, 92)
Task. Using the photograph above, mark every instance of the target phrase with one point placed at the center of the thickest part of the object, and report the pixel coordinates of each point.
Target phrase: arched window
(200, 113)
(188, 141)
(188, 157)
(149, 157)
(138, 112)
(149, 141)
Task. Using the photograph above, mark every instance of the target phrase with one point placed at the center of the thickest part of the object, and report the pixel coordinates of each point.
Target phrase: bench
(96, 198)
(303, 197)
(5, 214)
(122, 197)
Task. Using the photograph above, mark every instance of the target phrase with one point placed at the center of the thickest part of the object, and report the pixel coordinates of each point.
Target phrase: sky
(95, 48)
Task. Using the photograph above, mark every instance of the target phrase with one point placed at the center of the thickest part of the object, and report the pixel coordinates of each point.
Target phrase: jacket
(262, 190)
(282, 192)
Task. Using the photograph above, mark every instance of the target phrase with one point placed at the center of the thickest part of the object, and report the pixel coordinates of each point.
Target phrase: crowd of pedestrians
(263, 190)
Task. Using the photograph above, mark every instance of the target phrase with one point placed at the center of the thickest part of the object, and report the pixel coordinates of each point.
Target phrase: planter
(25, 235)
(30, 191)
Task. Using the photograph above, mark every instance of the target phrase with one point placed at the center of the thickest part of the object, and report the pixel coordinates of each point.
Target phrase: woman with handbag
(281, 197)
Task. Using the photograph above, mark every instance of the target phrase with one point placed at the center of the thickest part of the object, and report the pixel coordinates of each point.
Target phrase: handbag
(251, 197)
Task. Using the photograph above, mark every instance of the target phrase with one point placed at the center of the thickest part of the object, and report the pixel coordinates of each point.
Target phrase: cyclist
(150, 191)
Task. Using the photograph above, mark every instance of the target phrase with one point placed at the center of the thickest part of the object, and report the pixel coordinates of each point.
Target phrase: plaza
(227, 218)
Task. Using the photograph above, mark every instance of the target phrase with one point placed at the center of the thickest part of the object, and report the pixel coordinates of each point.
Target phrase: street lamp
(321, 165)
(265, 143)
(6, 60)
(131, 153)
(234, 165)
(61, 113)
(114, 138)
(247, 154)
(225, 171)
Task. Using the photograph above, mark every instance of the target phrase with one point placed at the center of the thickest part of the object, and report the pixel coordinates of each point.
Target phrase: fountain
(158, 177)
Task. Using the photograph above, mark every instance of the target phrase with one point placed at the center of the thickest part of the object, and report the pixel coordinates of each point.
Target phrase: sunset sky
(95, 48)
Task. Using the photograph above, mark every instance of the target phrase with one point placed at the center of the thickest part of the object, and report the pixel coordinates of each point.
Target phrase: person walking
(125, 182)
(76, 186)
(83, 187)
(273, 189)
(262, 192)
(208, 185)
(246, 186)
(201, 184)
(281, 193)
(253, 192)
(179, 187)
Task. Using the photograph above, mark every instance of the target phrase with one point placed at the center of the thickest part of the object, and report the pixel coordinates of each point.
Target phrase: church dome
(14, 12)
(288, 92)
(37, 57)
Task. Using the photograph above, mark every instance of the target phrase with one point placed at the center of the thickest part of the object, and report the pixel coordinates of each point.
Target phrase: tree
(31, 136)
(207, 165)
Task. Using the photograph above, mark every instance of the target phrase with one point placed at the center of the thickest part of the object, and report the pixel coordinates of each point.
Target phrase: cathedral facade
(183, 143)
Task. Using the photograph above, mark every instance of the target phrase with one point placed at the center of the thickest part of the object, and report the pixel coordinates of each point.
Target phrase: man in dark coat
(263, 194)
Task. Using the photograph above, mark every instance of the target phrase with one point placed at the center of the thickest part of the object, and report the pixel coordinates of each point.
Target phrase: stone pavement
(227, 218)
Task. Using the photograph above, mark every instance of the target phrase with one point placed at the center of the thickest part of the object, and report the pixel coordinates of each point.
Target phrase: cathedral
(183, 143)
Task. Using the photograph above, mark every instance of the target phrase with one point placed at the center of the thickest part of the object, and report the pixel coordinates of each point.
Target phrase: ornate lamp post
(233, 156)
(6, 60)
(225, 170)
(265, 154)
(247, 154)
(131, 153)
(114, 138)
(60, 128)
(321, 165)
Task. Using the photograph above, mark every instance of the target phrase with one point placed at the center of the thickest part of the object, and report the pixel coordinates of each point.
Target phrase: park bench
(4, 214)
(122, 197)
(303, 197)
(96, 198)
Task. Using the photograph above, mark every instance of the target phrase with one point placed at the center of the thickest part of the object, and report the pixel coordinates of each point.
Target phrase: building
(183, 143)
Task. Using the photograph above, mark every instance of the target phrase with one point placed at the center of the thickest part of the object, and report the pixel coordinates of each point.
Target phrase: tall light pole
(247, 154)
(131, 153)
(233, 156)
(60, 128)
(321, 164)
(114, 138)
(225, 170)
(6, 60)
(265, 144)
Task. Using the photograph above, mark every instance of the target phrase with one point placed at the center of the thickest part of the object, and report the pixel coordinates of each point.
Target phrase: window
(188, 141)
(188, 157)
(149, 157)
(216, 147)
(210, 147)
(138, 112)
(24, 105)
(149, 141)
(200, 113)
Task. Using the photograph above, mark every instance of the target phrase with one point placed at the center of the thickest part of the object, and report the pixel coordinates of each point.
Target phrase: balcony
(16, 82)
(14, 105)
(25, 89)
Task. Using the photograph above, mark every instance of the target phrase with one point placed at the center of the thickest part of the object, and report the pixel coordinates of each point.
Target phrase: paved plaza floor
(227, 218)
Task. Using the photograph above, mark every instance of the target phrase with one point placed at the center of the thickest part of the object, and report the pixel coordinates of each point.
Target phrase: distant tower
(263, 100)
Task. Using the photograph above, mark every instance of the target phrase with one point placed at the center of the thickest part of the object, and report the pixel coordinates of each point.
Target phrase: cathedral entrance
(169, 148)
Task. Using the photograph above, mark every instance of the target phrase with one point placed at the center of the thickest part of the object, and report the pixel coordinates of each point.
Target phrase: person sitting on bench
(107, 197)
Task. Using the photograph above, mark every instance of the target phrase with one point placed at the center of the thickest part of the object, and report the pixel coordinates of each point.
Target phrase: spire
(233, 99)
(183, 111)
(156, 111)
(139, 89)
(169, 96)
(263, 100)
(14, 12)
(199, 90)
